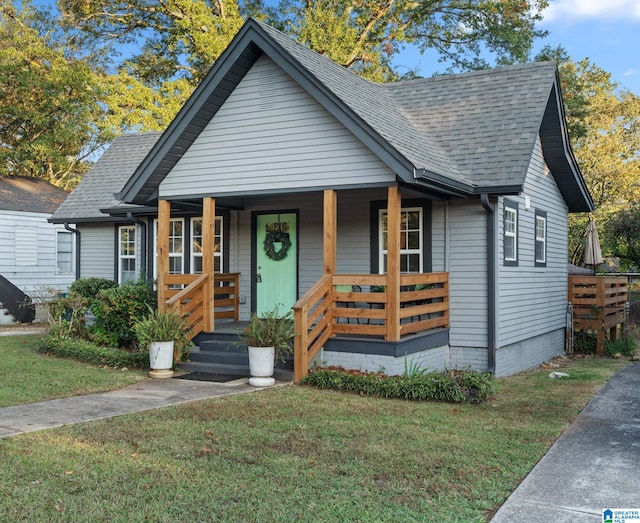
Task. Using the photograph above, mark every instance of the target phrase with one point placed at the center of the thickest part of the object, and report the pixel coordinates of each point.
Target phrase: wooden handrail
(188, 290)
(189, 300)
(324, 311)
(307, 343)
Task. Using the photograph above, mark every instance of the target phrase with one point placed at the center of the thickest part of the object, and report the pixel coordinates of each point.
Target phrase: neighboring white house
(275, 133)
(34, 254)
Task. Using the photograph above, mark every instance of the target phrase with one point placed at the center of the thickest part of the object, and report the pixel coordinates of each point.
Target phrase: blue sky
(605, 31)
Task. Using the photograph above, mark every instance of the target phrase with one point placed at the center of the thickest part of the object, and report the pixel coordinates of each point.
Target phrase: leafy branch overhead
(76, 74)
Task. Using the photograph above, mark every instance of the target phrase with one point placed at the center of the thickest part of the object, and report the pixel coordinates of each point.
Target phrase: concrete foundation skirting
(430, 359)
(529, 353)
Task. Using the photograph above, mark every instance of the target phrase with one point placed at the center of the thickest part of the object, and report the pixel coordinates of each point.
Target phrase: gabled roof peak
(456, 134)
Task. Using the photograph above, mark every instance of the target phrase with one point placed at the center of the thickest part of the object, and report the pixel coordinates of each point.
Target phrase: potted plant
(166, 336)
(266, 336)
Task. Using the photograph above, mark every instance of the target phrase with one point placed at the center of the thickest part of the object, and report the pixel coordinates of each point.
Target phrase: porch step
(233, 370)
(220, 353)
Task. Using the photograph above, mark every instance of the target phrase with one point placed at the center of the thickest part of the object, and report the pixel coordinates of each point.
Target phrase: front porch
(386, 308)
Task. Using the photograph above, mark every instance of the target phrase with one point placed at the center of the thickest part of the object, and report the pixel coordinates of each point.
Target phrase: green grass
(297, 454)
(28, 376)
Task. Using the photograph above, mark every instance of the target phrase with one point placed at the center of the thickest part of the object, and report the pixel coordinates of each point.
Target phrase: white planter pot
(261, 361)
(161, 359)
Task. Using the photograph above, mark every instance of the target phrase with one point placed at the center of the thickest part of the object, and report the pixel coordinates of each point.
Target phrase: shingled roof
(28, 194)
(458, 135)
(108, 175)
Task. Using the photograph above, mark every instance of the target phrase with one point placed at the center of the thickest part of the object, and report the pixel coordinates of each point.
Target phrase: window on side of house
(126, 253)
(176, 246)
(510, 226)
(411, 244)
(196, 245)
(541, 239)
(64, 252)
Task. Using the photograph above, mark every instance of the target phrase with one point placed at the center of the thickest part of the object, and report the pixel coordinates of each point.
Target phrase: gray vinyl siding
(439, 234)
(467, 274)
(31, 265)
(272, 135)
(532, 300)
(97, 254)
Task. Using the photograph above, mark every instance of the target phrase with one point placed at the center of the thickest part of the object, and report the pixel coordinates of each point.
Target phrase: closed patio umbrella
(592, 252)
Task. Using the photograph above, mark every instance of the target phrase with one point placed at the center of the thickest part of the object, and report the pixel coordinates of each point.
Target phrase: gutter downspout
(78, 244)
(143, 246)
(491, 282)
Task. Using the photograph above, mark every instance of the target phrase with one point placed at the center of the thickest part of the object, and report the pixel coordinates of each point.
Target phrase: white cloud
(631, 72)
(578, 10)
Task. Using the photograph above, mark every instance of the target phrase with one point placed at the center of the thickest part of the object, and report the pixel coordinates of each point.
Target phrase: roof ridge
(494, 71)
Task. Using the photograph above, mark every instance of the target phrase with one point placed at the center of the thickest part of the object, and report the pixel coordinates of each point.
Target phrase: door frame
(254, 253)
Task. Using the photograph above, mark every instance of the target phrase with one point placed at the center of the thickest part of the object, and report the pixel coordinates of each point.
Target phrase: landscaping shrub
(90, 287)
(66, 315)
(117, 309)
(458, 386)
(624, 346)
(89, 353)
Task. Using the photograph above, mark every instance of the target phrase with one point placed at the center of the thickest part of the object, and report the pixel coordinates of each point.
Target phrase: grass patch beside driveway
(297, 454)
(28, 377)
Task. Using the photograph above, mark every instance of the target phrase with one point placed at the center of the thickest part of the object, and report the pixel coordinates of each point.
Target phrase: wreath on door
(271, 239)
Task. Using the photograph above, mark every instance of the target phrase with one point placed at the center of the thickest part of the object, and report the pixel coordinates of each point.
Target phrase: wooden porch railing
(598, 305)
(356, 304)
(189, 299)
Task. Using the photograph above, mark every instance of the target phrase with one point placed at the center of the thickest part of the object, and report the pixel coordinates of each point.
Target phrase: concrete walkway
(146, 395)
(593, 466)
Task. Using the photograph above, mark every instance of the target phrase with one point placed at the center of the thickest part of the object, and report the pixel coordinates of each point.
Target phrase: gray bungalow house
(423, 219)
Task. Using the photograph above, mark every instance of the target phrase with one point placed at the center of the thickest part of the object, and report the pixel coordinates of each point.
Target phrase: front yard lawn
(28, 376)
(297, 454)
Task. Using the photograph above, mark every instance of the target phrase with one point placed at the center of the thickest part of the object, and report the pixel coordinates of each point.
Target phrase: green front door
(276, 261)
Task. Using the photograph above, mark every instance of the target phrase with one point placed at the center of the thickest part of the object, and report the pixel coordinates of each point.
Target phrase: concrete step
(215, 368)
(221, 356)
(232, 370)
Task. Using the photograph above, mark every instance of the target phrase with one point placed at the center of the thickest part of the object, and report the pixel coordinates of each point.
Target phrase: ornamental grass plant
(270, 329)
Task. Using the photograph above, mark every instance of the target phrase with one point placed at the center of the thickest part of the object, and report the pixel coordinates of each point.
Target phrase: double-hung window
(541, 239)
(126, 253)
(510, 225)
(176, 246)
(411, 235)
(196, 245)
(64, 252)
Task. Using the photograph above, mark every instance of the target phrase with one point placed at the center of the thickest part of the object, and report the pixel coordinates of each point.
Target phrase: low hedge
(458, 386)
(89, 353)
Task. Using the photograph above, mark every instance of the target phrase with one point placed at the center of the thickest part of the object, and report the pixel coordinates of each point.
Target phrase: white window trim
(171, 254)
(218, 254)
(509, 234)
(122, 256)
(73, 248)
(383, 251)
(542, 240)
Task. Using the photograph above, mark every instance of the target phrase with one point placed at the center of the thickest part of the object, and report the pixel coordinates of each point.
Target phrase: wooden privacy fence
(598, 305)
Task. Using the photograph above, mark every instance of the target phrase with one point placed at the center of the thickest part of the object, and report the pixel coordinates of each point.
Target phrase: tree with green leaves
(183, 38)
(604, 127)
(622, 236)
(364, 35)
(48, 102)
(106, 67)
